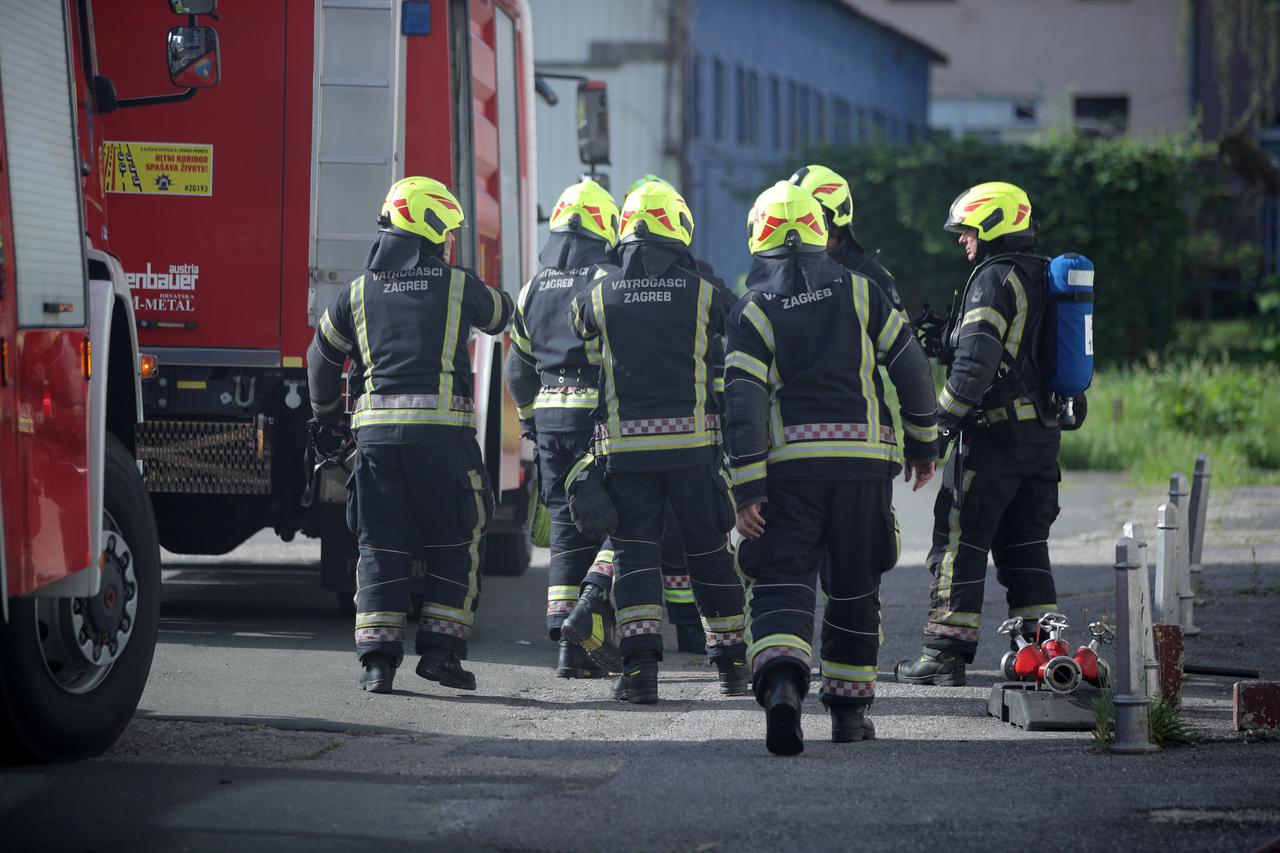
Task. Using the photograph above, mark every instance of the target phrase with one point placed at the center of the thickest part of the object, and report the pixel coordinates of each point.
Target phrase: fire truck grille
(203, 457)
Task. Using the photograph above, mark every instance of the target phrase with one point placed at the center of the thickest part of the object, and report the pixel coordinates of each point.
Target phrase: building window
(800, 121)
(840, 115)
(719, 83)
(748, 107)
(740, 114)
(695, 99)
(793, 114)
(776, 119)
(1102, 115)
(1024, 112)
(820, 118)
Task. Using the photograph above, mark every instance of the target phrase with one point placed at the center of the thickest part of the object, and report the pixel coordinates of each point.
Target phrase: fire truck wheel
(72, 669)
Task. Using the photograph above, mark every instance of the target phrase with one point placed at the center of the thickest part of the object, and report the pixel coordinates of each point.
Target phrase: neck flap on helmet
(649, 258)
(794, 272)
(394, 249)
(1023, 241)
(571, 250)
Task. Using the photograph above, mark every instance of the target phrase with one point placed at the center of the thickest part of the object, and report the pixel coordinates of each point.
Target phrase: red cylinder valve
(1055, 648)
(1088, 660)
(1028, 662)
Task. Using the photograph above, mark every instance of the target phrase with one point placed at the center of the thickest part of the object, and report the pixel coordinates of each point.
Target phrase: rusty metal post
(1179, 496)
(1199, 511)
(1165, 600)
(1150, 668)
(1130, 699)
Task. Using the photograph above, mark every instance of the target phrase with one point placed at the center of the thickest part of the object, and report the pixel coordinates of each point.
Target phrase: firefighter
(553, 377)
(677, 586)
(658, 441)
(1000, 487)
(813, 452)
(419, 482)
(832, 192)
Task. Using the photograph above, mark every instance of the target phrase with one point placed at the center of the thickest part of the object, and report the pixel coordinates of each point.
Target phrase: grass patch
(1165, 725)
(1152, 419)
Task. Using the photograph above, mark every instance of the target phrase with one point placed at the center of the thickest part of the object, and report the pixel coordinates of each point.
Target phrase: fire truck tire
(508, 554)
(56, 711)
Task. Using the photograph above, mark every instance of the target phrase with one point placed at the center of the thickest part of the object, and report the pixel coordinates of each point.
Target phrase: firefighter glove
(590, 508)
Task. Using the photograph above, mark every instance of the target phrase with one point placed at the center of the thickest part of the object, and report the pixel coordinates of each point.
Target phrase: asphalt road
(253, 735)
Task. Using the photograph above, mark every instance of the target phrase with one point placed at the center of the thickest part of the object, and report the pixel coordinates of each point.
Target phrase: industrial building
(723, 98)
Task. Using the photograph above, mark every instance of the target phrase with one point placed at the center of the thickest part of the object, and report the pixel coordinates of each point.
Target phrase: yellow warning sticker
(157, 168)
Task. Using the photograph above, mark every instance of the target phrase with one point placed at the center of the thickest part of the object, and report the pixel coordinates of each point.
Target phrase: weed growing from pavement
(1165, 725)
(1104, 721)
(1255, 580)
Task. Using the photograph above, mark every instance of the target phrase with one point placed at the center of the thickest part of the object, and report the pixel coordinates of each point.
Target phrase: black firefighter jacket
(405, 322)
(803, 394)
(552, 374)
(656, 319)
(993, 341)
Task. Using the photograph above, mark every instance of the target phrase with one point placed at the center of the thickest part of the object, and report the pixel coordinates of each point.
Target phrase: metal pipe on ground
(1224, 671)
(1132, 736)
(1199, 511)
(1179, 497)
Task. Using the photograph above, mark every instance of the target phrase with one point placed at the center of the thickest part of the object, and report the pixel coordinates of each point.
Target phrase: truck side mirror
(593, 123)
(194, 7)
(194, 62)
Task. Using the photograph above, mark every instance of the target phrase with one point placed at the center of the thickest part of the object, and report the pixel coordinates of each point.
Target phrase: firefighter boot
(849, 723)
(574, 662)
(639, 680)
(735, 676)
(932, 667)
(379, 672)
(690, 638)
(782, 695)
(444, 667)
(590, 625)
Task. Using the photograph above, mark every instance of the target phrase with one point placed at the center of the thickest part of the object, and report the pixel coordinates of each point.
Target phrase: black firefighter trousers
(572, 551)
(703, 511)
(415, 500)
(1009, 500)
(844, 533)
(677, 584)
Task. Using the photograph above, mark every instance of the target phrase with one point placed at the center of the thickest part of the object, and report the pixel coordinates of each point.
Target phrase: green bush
(1124, 204)
(1154, 418)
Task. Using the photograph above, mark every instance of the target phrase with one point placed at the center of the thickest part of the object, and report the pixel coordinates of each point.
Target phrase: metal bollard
(1130, 698)
(1199, 511)
(1166, 593)
(1150, 668)
(1179, 497)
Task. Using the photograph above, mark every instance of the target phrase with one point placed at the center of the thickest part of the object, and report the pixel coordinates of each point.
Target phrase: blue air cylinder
(1071, 301)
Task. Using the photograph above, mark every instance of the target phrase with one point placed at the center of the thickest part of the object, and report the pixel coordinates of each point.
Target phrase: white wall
(640, 93)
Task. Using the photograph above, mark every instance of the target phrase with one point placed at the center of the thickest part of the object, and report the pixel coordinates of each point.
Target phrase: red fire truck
(79, 553)
(239, 220)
